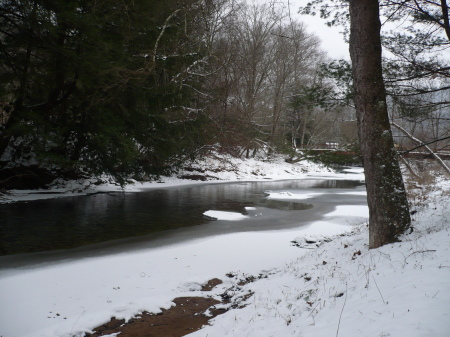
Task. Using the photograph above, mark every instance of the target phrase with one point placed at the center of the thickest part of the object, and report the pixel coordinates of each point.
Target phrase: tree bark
(388, 206)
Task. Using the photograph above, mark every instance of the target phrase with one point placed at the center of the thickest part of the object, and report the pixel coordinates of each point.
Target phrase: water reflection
(76, 221)
(284, 205)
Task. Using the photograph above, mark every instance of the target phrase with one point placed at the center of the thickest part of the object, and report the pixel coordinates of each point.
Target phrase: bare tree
(295, 62)
(263, 58)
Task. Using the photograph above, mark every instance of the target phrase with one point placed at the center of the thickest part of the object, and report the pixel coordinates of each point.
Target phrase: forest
(134, 89)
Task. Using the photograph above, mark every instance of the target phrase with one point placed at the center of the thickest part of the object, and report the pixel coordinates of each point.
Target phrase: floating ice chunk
(291, 196)
(351, 210)
(222, 215)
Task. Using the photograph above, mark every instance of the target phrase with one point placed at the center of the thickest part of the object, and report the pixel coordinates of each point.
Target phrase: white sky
(332, 41)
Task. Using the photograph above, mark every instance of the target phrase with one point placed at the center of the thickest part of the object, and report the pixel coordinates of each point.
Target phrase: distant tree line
(133, 88)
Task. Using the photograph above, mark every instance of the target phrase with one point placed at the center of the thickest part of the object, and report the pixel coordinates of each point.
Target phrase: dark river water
(70, 222)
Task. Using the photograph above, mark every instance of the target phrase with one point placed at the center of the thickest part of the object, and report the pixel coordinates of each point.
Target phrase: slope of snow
(340, 288)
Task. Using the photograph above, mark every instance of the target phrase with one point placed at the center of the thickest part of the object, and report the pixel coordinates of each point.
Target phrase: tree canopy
(101, 86)
(133, 88)
(415, 37)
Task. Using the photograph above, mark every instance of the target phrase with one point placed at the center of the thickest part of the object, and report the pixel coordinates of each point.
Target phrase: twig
(17, 176)
(340, 316)
(73, 326)
(420, 251)
(422, 145)
(378, 289)
(162, 33)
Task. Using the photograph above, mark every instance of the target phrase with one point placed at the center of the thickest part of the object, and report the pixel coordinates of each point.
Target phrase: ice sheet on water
(222, 215)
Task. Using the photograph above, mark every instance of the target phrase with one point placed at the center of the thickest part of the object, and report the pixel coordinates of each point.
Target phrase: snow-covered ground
(340, 288)
(328, 284)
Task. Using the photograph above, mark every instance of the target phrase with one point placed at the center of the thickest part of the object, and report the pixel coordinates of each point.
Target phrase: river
(102, 223)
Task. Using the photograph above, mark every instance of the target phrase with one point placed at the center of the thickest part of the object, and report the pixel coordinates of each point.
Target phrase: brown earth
(185, 317)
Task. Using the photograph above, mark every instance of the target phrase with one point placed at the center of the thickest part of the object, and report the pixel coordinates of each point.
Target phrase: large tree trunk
(388, 207)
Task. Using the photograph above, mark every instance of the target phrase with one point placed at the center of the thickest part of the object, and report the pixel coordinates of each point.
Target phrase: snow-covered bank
(340, 288)
(218, 168)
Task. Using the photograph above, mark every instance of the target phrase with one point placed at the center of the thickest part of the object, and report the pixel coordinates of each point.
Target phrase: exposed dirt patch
(211, 284)
(185, 317)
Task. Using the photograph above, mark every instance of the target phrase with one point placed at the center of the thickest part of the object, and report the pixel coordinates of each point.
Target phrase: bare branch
(166, 23)
(410, 136)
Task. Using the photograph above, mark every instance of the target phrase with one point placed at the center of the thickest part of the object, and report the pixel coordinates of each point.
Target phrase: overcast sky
(332, 42)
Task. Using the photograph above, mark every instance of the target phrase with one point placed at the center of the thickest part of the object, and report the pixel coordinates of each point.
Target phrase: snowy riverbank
(217, 168)
(340, 288)
(334, 287)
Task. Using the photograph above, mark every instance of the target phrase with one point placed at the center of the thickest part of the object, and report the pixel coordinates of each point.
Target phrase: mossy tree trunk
(388, 206)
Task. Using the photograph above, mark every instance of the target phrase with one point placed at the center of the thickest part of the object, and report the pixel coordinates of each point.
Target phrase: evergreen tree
(99, 86)
(416, 46)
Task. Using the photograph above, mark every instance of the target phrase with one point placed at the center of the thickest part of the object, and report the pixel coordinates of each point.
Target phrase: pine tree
(99, 86)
